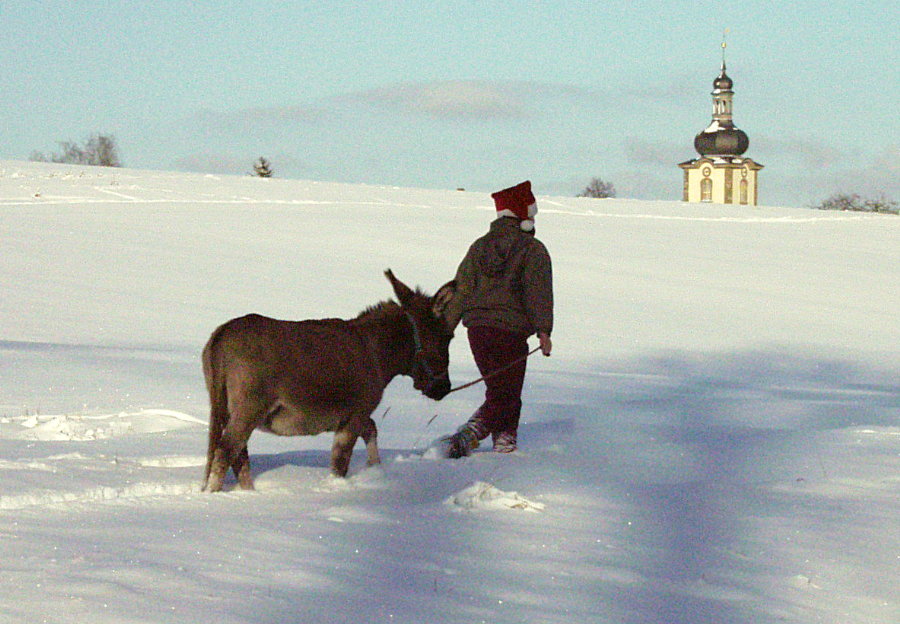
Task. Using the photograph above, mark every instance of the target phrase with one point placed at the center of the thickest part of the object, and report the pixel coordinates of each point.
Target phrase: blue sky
(462, 94)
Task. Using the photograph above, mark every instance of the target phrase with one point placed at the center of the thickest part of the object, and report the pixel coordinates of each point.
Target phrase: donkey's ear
(403, 292)
(442, 298)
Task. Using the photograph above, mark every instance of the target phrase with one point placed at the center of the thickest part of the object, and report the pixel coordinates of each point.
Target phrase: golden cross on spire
(724, 45)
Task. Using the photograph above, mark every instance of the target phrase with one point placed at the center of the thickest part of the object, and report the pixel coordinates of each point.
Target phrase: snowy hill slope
(715, 439)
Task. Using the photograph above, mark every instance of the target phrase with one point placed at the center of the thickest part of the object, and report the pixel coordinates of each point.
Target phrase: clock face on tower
(706, 172)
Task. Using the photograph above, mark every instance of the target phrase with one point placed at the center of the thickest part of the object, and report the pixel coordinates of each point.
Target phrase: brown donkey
(306, 377)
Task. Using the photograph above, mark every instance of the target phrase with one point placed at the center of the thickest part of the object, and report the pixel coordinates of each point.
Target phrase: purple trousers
(493, 349)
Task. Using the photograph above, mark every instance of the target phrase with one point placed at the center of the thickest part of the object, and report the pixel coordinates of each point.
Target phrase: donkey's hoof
(212, 484)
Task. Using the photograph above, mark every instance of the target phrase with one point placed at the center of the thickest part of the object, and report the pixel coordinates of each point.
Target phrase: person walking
(504, 296)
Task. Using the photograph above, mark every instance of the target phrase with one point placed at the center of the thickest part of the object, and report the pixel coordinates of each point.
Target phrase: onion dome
(721, 141)
(722, 82)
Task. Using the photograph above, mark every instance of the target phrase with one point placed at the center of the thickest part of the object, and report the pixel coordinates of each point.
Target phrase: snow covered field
(716, 438)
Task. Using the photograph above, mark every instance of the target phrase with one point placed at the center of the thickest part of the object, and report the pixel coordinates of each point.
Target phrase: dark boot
(461, 443)
(505, 442)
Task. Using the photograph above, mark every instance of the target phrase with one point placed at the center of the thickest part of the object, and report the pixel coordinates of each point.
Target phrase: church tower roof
(722, 174)
(722, 138)
(722, 81)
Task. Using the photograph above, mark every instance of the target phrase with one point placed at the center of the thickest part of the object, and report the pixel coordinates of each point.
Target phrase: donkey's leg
(218, 419)
(209, 460)
(370, 437)
(232, 452)
(217, 468)
(219, 458)
(241, 467)
(211, 455)
(244, 406)
(342, 450)
(234, 444)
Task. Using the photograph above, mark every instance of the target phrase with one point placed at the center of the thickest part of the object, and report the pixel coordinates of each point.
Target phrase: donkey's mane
(380, 311)
(386, 310)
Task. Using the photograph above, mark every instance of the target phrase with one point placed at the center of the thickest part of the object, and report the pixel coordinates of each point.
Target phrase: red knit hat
(517, 201)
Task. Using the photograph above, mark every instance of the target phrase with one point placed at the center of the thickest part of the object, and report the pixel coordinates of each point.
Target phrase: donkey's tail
(214, 373)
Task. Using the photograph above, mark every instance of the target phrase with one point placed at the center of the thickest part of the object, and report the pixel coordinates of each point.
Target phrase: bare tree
(103, 151)
(98, 150)
(855, 203)
(262, 168)
(598, 189)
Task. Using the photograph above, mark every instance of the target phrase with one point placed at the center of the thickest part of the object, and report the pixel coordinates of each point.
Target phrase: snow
(481, 495)
(716, 437)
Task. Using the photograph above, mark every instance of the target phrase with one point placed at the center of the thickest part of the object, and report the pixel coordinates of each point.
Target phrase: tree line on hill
(101, 150)
(854, 203)
(98, 150)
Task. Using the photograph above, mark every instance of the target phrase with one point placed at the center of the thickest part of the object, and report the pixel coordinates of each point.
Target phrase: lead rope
(479, 380)
(496, 372)
(418, 350)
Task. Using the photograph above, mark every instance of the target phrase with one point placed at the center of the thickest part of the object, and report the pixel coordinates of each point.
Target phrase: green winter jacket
(505, 281)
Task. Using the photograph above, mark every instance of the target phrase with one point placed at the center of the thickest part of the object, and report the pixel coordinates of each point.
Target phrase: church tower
(722, 174)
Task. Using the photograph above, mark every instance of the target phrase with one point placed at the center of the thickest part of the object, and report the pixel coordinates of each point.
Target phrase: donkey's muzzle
(438, 388)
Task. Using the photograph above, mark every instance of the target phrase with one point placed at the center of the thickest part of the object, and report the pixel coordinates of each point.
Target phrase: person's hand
(546, 344)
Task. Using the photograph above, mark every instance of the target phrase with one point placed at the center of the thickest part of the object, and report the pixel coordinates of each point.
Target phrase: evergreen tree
(262, 168)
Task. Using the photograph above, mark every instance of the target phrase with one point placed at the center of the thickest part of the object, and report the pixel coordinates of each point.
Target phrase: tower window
(706, 190)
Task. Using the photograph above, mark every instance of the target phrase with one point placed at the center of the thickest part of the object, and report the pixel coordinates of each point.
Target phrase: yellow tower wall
(721, 183)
